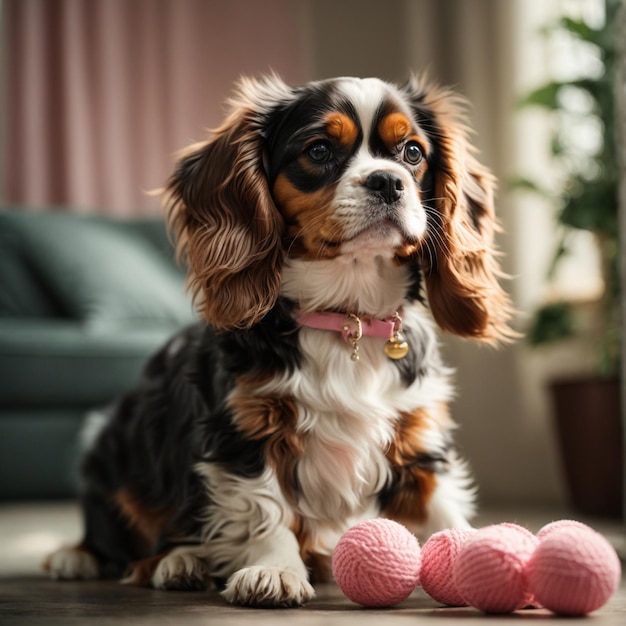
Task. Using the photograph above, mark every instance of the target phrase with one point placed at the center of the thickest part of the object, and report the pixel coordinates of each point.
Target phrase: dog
(329, 231)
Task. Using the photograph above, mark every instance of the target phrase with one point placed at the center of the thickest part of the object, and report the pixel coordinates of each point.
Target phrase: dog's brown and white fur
(252, 442)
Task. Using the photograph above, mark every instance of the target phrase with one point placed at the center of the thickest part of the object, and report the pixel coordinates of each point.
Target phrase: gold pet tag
(396, 348)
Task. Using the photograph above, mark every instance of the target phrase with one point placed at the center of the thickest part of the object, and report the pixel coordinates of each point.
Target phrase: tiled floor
(28, 532)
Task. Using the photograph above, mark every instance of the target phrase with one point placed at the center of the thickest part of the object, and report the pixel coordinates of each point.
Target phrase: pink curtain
(98, 95)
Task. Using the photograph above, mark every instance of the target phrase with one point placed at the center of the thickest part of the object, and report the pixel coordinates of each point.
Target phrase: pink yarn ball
(489, 571)
(377, 563)
(562, 523)
(574, 570)
(438, 556)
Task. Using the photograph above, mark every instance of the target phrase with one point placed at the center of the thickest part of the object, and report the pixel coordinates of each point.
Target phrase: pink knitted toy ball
(574, 570)
(438, 556)
(377, 563)
(562, 523)
(489, 571)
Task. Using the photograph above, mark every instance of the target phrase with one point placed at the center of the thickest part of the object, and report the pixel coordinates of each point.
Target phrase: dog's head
(343, 167)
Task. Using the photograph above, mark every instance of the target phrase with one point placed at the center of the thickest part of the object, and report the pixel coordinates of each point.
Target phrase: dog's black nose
(386, 185)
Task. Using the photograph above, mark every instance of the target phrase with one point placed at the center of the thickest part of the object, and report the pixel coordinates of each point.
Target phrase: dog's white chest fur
(348, 410)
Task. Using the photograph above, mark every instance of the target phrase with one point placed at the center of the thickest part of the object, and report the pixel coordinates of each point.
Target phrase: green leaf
(553, 322)
(561, 251)
(593, 206)
(579, 28)
(544, 96)
(556, 146)
(522, 183)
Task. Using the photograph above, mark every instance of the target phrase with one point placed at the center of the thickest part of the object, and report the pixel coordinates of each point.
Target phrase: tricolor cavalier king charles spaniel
(324, 228)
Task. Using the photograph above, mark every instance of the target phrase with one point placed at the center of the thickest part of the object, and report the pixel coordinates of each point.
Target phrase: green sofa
(84, 300)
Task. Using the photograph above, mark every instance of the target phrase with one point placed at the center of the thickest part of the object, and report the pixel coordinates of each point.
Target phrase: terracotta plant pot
(589, 429)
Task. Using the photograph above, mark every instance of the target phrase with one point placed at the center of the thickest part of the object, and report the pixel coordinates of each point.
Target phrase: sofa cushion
(100, 271)
(22, 294)
(56, 363)
(39, 454)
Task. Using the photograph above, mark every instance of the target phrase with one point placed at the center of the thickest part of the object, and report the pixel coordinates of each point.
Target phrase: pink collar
(352, 326)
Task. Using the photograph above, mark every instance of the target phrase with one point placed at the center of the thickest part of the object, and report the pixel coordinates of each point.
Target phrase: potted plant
(587, 408)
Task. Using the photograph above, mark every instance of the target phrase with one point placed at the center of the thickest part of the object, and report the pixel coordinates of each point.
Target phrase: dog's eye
(319, 152)
(413, 153)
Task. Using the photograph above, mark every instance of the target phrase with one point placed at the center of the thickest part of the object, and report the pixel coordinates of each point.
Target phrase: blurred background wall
(98, 95)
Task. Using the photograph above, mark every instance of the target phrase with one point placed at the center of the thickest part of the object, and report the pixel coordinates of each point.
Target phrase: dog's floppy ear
(458, 258)
(219, 207)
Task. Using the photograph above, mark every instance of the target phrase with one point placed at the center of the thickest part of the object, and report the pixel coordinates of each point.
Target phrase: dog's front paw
(267, 587)
(72, 564)
(181, 571)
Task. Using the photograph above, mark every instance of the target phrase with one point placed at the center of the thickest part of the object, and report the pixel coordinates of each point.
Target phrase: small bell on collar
(397, 347)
